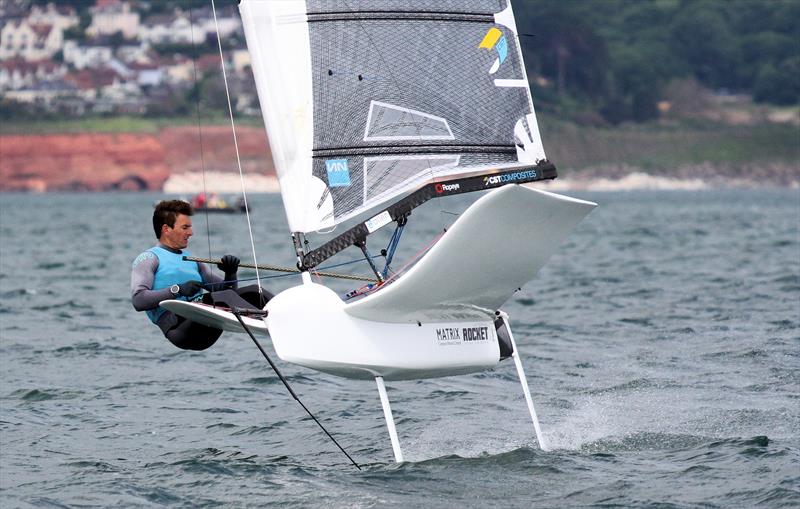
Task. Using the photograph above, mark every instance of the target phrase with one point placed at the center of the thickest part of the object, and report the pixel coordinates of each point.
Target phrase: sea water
(661, 344)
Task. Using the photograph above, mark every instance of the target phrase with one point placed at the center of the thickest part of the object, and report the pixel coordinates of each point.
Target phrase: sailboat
(372, 108)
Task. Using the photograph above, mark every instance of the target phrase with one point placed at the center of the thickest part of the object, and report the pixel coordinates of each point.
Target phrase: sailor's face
(177, 237)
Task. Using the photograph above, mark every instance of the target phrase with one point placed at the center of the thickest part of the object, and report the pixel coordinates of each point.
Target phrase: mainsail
(367, 101)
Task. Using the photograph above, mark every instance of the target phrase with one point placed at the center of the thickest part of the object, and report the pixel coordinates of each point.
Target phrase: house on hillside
(105, 90)
(134, 51)
(112, 16)
(175, 28)
(178, 68)
(89, 53)
(20, 38)
(240, 59)
(43, 93)
(93, 84)
(207, 62)
(147, 75)
(59, 16)
(18, 74)
(228, 22)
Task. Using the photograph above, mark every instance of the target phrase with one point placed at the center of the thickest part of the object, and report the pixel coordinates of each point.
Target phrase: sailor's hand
(229, 264)
(190, 288)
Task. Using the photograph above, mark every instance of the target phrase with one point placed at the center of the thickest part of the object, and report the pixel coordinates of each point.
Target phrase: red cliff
(102, 161)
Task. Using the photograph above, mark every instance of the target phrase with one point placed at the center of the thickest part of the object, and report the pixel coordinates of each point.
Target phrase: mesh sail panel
(409, 91)
(365, 100)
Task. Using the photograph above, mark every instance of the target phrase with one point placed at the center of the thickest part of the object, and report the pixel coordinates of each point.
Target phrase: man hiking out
(161, 273)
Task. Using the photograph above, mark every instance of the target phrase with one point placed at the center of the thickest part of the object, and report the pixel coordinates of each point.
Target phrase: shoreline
(230, 184)
(633, 180)
(588, 158)
(641, 181)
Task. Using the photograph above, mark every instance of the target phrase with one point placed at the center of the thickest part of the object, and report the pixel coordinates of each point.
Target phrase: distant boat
(201, 204)
(224, 209)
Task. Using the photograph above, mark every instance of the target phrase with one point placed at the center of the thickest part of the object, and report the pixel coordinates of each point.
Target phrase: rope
(236, 145)
(239, 280)
(238, 313)
(199, 126)
(282, 269)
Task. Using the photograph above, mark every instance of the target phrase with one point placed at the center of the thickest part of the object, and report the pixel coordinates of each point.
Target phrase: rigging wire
(199, 125)
(370, 287)
(237, 312)
(236, 146)
(292, 270)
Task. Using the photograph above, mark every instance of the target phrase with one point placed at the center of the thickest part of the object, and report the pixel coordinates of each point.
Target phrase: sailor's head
(172, 223)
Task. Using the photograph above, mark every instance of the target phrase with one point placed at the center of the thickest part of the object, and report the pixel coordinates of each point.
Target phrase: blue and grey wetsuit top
(158, 268)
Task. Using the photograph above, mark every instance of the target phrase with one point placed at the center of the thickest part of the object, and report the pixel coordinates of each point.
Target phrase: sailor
(161, 273)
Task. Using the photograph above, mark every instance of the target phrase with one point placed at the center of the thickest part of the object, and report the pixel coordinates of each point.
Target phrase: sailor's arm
(229, 265)
(143, 273)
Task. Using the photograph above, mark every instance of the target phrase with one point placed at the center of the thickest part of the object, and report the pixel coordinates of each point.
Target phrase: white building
(61, 17)
(227, 19)
(134, 52)
(112, 16)
(146, 74)
(86, 55)
(178, 69)
(241, 59)
(19, 38)
(173, 28)
(227, 26)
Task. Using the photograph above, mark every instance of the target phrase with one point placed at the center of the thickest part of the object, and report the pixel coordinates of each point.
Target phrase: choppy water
(662, 345)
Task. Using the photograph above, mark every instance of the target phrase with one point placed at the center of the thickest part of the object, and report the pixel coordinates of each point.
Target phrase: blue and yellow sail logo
(494, 38)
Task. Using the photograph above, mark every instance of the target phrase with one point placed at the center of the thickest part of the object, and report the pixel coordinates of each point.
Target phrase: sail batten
(399, 15)
(398, 94)
(415, 149)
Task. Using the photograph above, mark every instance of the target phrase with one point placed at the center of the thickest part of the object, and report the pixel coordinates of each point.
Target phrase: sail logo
(494, 39)
(509, 177)
(338, 172)
(447, 188)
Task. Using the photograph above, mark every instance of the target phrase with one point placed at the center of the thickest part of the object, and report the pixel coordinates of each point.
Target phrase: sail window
(388, 122)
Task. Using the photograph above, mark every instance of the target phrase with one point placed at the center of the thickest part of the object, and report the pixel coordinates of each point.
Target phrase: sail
(367, 100)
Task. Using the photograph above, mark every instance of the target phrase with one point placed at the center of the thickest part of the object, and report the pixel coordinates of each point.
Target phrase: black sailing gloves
(190, 288)
(229, 264)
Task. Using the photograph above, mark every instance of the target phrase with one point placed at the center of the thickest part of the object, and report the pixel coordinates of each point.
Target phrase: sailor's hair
(167, 211)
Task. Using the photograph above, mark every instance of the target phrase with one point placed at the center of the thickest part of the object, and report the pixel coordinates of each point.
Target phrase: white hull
(309, 326)
(435, 320)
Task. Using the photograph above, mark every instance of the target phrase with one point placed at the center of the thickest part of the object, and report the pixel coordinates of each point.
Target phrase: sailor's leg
(245, 298)
(524, 381)
(188, 335)
(255, 296)
(387, 413)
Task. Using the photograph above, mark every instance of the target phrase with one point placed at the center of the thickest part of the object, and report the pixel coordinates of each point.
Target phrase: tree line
(617, 56)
